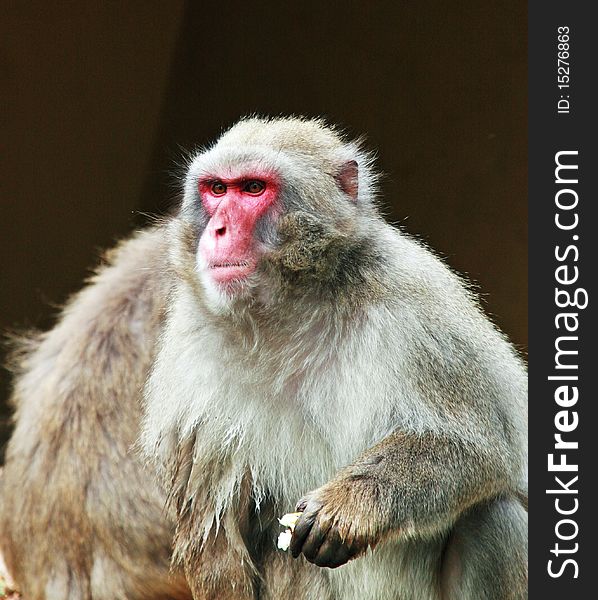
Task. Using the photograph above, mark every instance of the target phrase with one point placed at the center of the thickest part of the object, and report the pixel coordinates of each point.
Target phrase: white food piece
(284, 540)
(290, 520)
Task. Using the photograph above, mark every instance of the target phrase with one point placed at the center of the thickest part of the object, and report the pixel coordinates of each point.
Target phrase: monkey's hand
(339, 522)
(415, 484)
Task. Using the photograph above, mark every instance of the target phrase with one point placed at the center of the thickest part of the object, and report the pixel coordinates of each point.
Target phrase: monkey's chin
(223, 295)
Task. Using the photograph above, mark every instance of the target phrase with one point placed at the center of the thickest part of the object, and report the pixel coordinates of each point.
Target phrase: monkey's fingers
(300, 506)
(317, 536)
(304, 526)
(333, 552)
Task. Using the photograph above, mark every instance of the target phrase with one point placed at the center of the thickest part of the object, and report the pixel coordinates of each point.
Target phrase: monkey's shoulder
(130, 286)
(111, 324)
(434, 322)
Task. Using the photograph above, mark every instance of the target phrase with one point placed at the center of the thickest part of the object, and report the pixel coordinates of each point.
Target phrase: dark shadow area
(102, 100)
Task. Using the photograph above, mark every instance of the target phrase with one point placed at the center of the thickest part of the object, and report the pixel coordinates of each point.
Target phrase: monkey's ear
(348, 179)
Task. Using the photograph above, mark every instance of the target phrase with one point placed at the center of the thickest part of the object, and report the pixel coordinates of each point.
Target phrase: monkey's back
(79, 515)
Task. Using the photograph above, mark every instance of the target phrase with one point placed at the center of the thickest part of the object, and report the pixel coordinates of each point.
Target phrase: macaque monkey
(297, 351)
(80, 517)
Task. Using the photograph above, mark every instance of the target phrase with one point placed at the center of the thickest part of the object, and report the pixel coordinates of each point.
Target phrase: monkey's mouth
(227, 271)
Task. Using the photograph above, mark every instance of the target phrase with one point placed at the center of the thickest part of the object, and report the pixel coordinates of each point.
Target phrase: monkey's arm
(409, 484)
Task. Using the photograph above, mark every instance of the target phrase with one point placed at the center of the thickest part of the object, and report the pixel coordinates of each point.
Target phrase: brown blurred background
(100, 98)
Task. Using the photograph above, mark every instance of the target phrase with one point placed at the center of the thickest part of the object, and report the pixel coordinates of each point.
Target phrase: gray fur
(353, 370)
(353, 363)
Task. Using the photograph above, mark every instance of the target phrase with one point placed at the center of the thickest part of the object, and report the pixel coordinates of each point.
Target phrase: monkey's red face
(228, 249)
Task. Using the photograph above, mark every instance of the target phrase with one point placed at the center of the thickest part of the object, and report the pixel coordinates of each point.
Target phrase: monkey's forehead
(234, 161)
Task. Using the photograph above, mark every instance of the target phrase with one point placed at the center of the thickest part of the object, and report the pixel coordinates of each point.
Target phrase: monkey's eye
(218, 188)
(254, 187)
